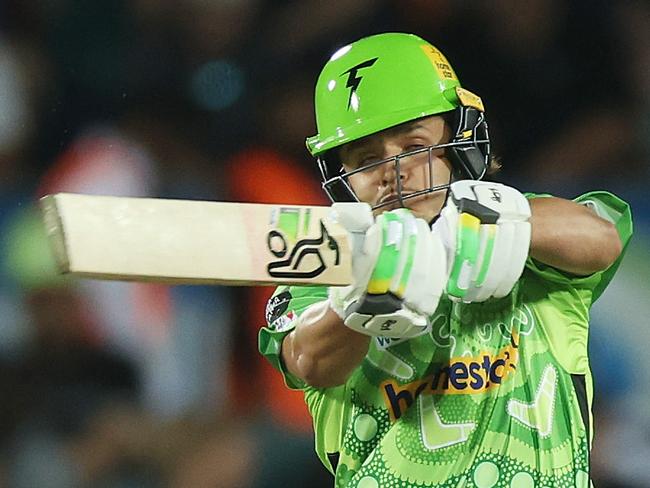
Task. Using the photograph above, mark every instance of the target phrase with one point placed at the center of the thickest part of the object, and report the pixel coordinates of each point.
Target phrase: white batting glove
(486, 232)
(399, 271)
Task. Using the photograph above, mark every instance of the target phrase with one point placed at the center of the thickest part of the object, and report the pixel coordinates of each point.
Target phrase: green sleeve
(331, 410)
(562, 300)
(329, 407)
(282, 311)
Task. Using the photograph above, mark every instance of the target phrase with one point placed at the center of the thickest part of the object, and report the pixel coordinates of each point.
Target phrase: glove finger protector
(486, 232)
(399, 272)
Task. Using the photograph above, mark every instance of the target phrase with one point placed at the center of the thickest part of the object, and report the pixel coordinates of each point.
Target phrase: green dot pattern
(375, 447)
(369, 425)
(465, 436)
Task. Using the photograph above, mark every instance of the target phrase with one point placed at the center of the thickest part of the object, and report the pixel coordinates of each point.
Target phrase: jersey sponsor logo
(283, 323)
(384, 343)
(277, 305)
(461, 376)
(299, 258)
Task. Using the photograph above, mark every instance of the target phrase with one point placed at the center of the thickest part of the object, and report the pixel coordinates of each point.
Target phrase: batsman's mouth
(392, 198)
(392, 201)
(425, 204)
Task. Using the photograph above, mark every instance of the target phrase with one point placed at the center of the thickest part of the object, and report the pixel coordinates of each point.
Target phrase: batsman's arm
(321, 350)
(572, 237)
(398, 269)
(490, 231)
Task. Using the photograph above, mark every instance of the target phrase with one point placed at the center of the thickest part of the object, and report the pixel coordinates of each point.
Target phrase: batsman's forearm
(571, 237)
(321, 350)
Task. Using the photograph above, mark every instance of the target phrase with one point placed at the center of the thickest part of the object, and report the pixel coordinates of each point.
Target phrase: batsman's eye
(414, 147)
(361, 161)
(367, 161)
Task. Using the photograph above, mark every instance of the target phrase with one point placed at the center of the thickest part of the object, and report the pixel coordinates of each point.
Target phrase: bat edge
(50, 212)
(184, 280)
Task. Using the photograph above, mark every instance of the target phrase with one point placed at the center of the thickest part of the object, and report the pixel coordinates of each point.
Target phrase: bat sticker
(290, 267)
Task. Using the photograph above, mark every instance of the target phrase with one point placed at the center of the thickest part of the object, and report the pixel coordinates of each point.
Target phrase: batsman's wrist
(335, 302)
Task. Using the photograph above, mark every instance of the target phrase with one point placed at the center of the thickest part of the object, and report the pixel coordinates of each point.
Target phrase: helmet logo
(354, 80)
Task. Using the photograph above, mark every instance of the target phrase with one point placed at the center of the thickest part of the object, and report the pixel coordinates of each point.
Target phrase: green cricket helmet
(385, 80)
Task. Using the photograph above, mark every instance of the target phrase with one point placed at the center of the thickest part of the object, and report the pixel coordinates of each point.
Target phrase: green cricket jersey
(498, 394)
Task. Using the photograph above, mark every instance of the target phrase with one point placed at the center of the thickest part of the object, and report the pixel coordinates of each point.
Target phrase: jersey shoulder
(288, 302)
(609, 207)
(283, 309)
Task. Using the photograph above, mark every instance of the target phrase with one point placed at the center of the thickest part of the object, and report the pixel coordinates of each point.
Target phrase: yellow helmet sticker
(469, 99)
(440, 63)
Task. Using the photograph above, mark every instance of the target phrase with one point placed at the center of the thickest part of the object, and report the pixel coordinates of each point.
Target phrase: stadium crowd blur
(108, 384)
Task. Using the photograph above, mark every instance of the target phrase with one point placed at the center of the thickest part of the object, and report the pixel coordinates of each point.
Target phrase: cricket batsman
(458, 355)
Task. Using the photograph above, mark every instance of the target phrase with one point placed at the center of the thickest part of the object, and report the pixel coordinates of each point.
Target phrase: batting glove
(399, 273)
(486, 232)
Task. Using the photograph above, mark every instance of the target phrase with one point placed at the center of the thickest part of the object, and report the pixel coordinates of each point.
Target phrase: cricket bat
(195, 242)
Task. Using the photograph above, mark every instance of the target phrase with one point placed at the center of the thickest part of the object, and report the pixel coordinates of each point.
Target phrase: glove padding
(399, 272)
(485, 229)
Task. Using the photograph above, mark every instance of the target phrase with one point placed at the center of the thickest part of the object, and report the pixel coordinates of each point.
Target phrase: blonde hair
(494, 166)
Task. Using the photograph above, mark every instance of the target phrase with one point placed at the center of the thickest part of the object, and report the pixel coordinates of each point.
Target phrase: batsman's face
(384, 174)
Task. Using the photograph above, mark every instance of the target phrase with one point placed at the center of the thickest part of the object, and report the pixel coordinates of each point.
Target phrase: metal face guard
(339, 187)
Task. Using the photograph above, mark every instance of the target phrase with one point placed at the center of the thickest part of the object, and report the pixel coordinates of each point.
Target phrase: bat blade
(195, 242)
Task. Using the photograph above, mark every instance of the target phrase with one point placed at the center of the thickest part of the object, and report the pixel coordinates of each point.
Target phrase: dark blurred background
(131, 385)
